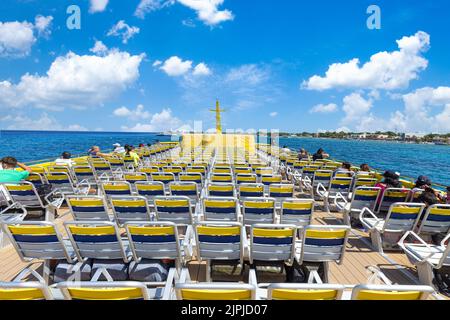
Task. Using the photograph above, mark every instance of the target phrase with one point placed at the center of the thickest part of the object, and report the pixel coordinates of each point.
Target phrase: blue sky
(160, 64)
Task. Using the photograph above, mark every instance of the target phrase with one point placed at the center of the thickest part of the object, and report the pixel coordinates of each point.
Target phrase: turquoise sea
(410, 160)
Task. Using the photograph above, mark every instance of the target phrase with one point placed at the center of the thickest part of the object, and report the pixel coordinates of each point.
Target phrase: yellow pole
(218, 120)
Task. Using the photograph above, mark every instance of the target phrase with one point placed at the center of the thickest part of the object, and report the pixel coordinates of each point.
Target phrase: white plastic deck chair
(401, 217)
(426, 257)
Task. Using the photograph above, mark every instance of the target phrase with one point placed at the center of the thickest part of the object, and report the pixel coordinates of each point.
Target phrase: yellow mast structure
(218, 111)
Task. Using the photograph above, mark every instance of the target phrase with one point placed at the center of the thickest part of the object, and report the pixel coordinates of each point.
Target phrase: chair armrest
(339, 205)
(15, 205)
(252, 277)
(321, 190)
(366, 223)
(401, 243)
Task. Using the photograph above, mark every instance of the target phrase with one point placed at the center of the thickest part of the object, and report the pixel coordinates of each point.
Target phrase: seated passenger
(320, 155)
(447, 200)
(95, 152)
(423, 184)
(346, 168)
(118, 148)
(303, 154)
(65, 160)
(428, 197)
(130, 153)
(364, 168)
(9, 174)
(391, 180)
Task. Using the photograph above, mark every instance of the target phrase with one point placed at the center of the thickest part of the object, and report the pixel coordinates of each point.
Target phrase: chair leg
(375, 237)
(208, 271)
(425, 273)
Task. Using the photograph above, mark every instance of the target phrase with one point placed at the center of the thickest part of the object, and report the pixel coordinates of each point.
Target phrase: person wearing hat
(427, 194)
(391, 180)
(118, 148)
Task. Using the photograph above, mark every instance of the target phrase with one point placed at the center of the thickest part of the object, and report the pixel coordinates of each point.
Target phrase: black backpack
(442, 280)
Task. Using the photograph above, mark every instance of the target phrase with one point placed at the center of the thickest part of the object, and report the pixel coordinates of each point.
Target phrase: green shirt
(13, 175)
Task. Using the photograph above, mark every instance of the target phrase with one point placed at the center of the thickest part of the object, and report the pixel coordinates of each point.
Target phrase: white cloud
(99, 48)
(324, 108)
(273, 114)
(138, 114)
(356, 108)
(162, 121)
(98, 5)
(73, 80)
(17, 38)
(385, 70)
(157, 63)
(208, 11)
(175, 67)
(426, 109)
(121, 29)
(251, 74)
(342, 129)
(42, 25)
(43, 122)
(146, 6)
(201, 69)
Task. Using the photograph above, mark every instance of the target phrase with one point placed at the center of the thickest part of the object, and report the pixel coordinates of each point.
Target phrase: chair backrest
(104, 290)
(365, 197)
(116, 188)
(243, 170)
(150, 189)
(258, 210)
(298, 212)
(130, 208)
(246, 178)
(149, 170)
(251, 190)
(391, 292)
(36, 179)
(61, 180)
(270, 242)
(221, 190)
(84, 173)
(115, 162)
(176, 170)
(192, 177)
(341, 185)
(87, 207)
(153, 240)
(96, 240)
(362, 181)
(215, 291)
(37, 240)
(271, 179)
(220, 209)
(219, 241)
(133, 177)
(260, 171)
(164, 177)
(197, 169)
(188, 189)
(221, 169)
(403, 216)
(24, 193)
(323, 177)
(30, 290)
(281, 191)
(393, 195)
(436, 220)
(304, 291)
(323, 243)
(221, 177)
(176, 209)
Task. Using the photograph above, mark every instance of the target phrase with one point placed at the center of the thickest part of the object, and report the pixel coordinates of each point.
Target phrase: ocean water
(29, 146)
(411, 160)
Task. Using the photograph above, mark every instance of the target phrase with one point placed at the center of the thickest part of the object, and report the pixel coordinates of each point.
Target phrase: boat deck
(358, 256)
